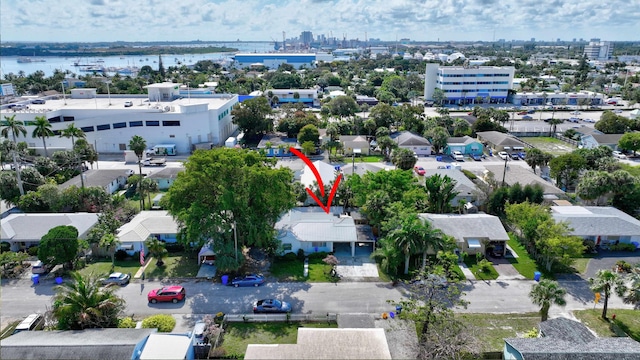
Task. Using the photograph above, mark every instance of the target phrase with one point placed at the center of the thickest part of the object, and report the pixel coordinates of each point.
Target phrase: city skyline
(265, 20)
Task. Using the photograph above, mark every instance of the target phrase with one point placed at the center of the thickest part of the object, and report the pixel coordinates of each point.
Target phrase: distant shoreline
(67, 51)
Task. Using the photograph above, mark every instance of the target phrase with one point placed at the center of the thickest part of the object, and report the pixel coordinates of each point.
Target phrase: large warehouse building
(274, 60)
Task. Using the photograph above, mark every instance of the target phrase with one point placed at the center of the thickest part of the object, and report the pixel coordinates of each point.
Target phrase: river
(48, 64)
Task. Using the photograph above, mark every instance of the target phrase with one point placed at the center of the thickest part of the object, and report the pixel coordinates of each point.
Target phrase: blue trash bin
(59, 280)
(35, 278)
(537, 275)
(225, 279)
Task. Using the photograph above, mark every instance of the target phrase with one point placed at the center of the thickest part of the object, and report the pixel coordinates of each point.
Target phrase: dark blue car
(248, 280)
(271, 306)
(476, 157)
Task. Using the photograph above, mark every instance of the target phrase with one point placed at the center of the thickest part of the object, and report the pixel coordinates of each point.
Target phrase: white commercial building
(582, 98)
(599, 50)
(109, 122)
(469, 85)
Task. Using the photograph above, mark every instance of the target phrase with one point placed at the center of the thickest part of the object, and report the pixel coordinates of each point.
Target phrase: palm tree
(546, 293)
(42, 130)
(148, 186)
(138, 144)
(156, 249)
(406, 238)
(388, 255)
(633, 296)
(15, 127)
(73, 132)
(604, 282)
(109, 241)
(82, 303)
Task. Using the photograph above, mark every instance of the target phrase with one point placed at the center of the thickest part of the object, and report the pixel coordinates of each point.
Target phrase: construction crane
(284, 43)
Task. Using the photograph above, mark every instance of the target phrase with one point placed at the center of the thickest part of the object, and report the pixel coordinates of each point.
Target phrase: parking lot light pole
(504, 172)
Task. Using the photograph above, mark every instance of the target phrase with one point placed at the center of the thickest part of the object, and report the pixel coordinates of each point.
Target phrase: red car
(523, 113)
(419, 170)
(173, 293)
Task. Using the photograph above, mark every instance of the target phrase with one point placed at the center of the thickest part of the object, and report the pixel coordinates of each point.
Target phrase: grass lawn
(293, 270)
(475, 269)
(525, 265)
(632, 169)
(493, 328)
(580, 264)
(370, 158)
(550, 145)
(102, 267)
(238, 335)
(177, 265)
(319, 271)
(8, 330)
(627, 322)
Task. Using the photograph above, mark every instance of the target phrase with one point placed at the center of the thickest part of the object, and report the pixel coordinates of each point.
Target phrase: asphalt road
(20, 298)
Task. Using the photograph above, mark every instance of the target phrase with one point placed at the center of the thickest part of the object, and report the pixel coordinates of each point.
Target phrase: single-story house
(364, 99)
(592, 141)
(165, 346)
(500, 141)
(355, 143)
(313, 230)
(315, 343)
(562, 339)
(165, 177)
(277, 144)
(467, 190)
(158, 224)
(604, 225)
(519, 174)
(363, 168)
(22, 231)
(413, 142)
(89, 344)
(327, 174)
(473, 232)
(110, 180)
(465, 144)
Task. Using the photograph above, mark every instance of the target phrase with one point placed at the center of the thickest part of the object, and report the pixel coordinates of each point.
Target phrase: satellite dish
(167, 108)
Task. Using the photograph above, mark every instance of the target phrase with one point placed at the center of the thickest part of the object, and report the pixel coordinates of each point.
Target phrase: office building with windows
(468, 85)
(599, 50)
(164, 116)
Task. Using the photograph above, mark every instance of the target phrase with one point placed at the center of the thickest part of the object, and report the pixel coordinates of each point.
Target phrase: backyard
(551, 145)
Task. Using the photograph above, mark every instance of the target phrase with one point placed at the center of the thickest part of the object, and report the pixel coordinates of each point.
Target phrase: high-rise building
(469, 85)
(599, 50)
(306, 37)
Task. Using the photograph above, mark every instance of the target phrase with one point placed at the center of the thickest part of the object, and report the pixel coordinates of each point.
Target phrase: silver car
(116, 278)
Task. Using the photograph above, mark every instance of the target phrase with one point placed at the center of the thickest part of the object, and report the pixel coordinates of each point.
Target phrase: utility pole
(504, 173)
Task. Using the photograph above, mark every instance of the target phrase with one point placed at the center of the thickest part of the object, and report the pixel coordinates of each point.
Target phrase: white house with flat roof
(109, 121)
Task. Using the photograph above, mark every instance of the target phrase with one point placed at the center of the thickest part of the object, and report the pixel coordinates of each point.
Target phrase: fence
(328, 317)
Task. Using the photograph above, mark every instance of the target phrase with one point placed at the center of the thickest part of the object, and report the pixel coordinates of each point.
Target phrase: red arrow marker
(306, 160)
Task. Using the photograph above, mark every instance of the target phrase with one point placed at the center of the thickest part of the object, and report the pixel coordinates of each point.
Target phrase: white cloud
(428, 20)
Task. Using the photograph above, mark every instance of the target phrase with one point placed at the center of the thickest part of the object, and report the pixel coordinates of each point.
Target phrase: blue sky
(224, 20)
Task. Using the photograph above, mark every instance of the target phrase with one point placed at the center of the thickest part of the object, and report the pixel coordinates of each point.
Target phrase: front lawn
(472, 264)
(102, 267)
(525, 265)
(292, 269)
(627, 322)
(580, 265)
(491, 329)
(178, 265)
(238, 335)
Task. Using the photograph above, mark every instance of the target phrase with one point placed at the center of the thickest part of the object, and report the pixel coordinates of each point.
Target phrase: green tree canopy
(546, 293)
(252, 117)
(403, 158)
(59, 246)
(309, 133)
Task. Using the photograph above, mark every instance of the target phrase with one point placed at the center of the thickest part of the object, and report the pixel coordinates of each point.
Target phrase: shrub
(590, 246)
(33, 251)
(126, 323)
(301, 255)
(318, 255)
(622, 247)
(173, 248)
(290, 256)
(623, 266)
(121, 255)
(484, 265)
(164, 323)
(217, 353)
(469, 174)
(533, 333)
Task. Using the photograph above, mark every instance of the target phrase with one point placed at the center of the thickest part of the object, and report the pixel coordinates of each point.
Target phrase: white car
(575, 113)
(589, 120)
(503, 155)
(457, 155)
(617, 111)
(619, 155)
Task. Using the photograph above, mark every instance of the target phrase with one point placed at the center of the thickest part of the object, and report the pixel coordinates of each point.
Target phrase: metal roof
(32, 227)
(597, 220)
(466, 226)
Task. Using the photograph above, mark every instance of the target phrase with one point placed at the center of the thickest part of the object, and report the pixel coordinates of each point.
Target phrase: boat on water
(26, 60)
(92, 69)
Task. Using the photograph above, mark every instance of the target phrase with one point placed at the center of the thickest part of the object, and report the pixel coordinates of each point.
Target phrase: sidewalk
(138, 274)
(465, 270)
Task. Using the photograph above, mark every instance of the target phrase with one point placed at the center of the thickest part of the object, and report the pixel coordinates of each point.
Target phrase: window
(135, 123)
(69, 118)
(172, 136)
(104, 127)
(119, 125)
(152, 123)
(318, 244)
(57, 132)
(87, 128)
(54, 119)
(171, 123)
(286, 247)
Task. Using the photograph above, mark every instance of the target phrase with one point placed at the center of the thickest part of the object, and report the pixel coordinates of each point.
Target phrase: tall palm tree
(546, 293)
(74, 133)
(388, 255)
(82, 303)
(156, 249)
(16, 128)
(406, 238)
(148, 186)
(633, 296)
(109, 241)
(138, 144)
(605, 282)
(42, 130)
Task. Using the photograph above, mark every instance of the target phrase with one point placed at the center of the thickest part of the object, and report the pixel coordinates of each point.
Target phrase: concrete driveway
(505, 270)
(607, 260)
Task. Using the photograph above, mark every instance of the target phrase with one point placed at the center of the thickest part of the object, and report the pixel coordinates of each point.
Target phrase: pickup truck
(154, 162)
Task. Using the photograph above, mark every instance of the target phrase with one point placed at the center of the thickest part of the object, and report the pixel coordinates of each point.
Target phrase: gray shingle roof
(99, 344)
(166, 173)
(461, 140)
(101, 178)
(32, 227)
(607, 139)
(501, 139)
(597, 220)
(464, 226)
(463, 184)
(406, 138)
(518, 174)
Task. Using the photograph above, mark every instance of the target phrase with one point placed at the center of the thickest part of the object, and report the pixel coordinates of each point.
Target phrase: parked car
(589, 120)
(248, 280)
(574, 120)
(575, 113)
(476, 157)
(173, 293)
(271, 306)
(619, 155)
(617, 111)
(20, 107)
(612, 102)
(30, 323)
(514, 156)
(522, 155)
(527, 117)
(531, 111)
(128, 103)
(116, 278)
(38, 101)
(503, 155)
(419, 170)
(457, 156)
(40, 268)
(523, 112)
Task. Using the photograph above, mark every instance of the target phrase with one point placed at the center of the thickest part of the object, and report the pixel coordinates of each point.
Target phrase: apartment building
(469, 85)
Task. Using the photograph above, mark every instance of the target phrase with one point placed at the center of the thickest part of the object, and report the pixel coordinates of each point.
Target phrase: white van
(30, 323)
(39, 268)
